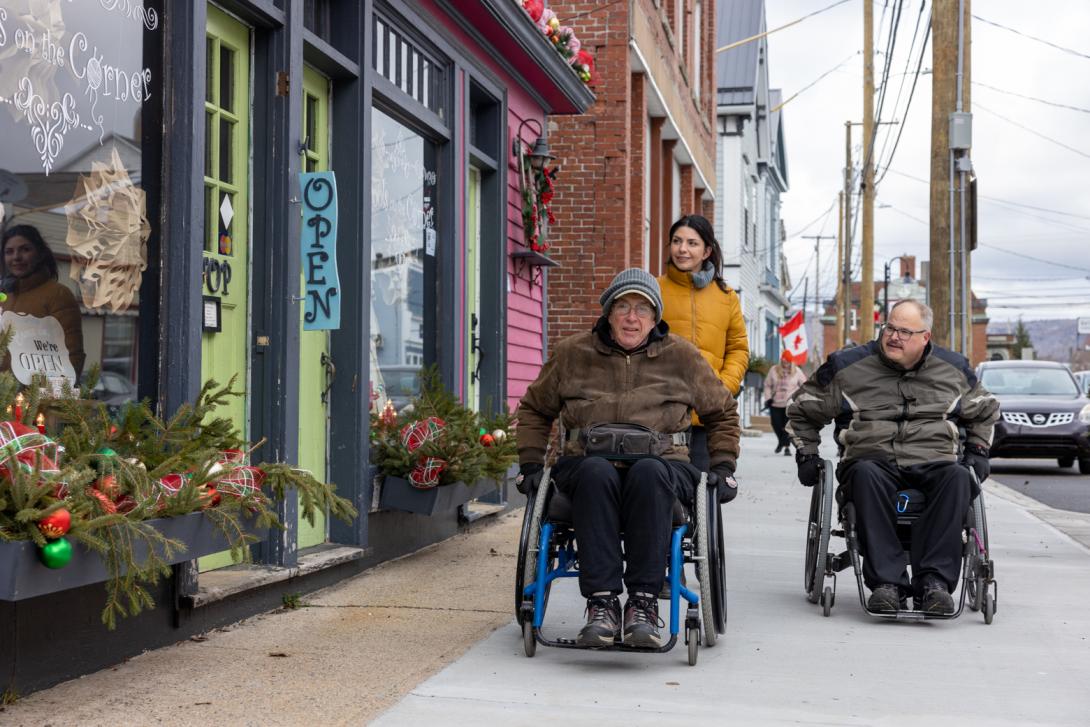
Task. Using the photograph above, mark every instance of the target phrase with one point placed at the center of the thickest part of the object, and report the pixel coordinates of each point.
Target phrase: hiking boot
(936, 596)
(641, 621)
(664, 592)
(886, 598)
(603, 622)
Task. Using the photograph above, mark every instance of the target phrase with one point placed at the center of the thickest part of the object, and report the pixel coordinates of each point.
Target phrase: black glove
(728, 486)
(976, 457)
(529, 477)
(809, 468)
(768, 403)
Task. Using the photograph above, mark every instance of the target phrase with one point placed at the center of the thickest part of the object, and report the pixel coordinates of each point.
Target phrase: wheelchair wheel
(526, 570)
(692, 635)
(818, 526)
(976, 584)
(718, 561)
(529, 643)
(703, 564)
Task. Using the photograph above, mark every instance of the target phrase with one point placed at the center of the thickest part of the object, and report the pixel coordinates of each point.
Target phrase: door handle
(330, 376)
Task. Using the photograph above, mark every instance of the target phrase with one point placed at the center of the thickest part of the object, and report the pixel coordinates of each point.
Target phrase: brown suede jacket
(39, 295)
(590, 380)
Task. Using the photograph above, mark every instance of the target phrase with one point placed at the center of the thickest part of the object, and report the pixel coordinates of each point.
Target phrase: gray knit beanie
(633, 280)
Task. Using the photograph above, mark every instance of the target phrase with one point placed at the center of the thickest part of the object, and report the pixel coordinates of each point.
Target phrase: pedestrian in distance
(782, 381)
(627, 384)
(700, 307)
(902, 407)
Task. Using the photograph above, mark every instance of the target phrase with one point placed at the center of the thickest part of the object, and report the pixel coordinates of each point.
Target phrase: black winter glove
(809, 468)
(976, 457)
(768, 403)
(728, 486)
(529, 477)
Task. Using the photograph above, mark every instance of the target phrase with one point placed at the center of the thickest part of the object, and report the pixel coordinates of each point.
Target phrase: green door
(226, 240)
(315, 367)
(473, 288)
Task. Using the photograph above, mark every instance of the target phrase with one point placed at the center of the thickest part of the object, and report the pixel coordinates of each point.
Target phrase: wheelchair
(548, 551)
(979, 588)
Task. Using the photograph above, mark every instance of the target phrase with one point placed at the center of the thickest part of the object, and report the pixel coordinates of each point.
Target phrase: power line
(1032, 98)
(1033, 37)
(815, 81)
(766, 33)
(911, 95)
(1037, 259)
(813, 222)
(908, 64)
(999, 199)
(1080, 152)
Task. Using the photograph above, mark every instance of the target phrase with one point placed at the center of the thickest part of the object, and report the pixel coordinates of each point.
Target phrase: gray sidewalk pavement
(781, 662)
(380, 641)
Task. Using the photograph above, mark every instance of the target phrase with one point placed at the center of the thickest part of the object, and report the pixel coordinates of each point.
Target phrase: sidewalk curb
(1075, 525)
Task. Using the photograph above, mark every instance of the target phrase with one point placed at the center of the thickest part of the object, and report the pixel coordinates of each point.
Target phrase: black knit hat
(633, 280)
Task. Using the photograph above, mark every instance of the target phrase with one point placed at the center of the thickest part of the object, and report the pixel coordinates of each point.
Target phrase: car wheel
(1084, 466)
(1065, 462)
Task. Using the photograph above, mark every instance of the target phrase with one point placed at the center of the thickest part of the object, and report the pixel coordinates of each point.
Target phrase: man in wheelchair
(624, 393)
(901, 405)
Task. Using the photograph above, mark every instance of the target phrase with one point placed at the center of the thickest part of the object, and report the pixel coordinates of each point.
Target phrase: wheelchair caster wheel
(975, 596)
(989, 608)
(827, 600)
(693, 637)
(529, 643)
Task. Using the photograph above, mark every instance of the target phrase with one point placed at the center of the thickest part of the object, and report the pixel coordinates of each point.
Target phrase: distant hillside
(1053, 340)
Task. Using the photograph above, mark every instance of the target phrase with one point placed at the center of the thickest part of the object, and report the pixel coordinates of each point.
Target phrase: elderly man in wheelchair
(909, 416)
(624, 393)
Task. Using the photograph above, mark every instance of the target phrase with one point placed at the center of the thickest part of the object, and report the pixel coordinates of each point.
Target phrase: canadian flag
(793, 334)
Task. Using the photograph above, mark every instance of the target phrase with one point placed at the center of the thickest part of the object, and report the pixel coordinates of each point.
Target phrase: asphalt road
(1044, 481)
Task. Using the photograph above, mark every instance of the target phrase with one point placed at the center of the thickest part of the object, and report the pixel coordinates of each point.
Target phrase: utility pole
(951, 139)
(817, 265)
(866, 282)
(846, 270)
(839, 273)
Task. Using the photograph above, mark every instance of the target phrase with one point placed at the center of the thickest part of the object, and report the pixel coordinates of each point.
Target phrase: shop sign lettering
(37, 347)
(318, 249)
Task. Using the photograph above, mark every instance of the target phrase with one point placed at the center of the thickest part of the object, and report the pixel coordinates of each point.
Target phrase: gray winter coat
(885, 412)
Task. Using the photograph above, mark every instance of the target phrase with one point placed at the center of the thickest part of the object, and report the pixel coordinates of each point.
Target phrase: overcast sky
(1011, 163)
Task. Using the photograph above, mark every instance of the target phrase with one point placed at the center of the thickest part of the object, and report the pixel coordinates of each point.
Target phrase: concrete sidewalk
(781, 662)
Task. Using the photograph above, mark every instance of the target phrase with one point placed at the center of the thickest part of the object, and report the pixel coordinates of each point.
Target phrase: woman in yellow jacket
(699, 306)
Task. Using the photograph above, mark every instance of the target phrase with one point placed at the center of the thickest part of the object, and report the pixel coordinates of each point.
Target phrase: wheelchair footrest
(839, 562)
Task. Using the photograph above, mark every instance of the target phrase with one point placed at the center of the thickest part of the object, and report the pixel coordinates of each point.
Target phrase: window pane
(404, 242)
(227, 78)
(209, 141)
(226, 216)
(311, 115)
(210, 226)
(210, 70)
(227, 142)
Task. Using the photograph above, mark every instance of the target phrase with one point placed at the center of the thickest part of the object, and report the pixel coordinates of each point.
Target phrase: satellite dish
(12, 189)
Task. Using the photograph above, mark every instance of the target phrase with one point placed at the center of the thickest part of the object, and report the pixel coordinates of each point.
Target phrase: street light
(885, 286)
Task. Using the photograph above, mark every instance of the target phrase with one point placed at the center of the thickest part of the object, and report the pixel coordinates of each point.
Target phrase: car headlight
(1084, 415)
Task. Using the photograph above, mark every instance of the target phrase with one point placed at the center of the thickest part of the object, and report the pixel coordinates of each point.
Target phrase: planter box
(398, 494)
(23, 576)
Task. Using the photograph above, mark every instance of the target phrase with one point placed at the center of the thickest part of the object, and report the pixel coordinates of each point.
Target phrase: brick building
(904, 285)
(640, 157)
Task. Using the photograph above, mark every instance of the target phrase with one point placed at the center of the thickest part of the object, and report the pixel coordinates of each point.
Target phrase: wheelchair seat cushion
(559, 510)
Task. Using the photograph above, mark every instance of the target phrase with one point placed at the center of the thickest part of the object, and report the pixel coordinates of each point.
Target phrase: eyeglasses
(643, 310)
(904, 333)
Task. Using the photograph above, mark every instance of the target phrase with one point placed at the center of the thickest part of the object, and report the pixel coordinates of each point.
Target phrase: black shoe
(886, 598)
(787, 451)
(778, 448)
(641, 621)
(603, 621)
(936, 596)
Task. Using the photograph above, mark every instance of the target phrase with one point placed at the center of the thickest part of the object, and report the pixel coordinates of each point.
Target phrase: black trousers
(698, 449)
(606, 502)
(936, 534)
(778, 415)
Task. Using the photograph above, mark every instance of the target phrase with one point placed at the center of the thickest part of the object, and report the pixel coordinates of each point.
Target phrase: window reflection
(404, 186)
(72, 92)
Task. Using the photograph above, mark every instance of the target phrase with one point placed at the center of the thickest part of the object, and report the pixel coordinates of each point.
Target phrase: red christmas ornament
(535, 8)
(108, 506)
(211, 497)
(55, 524)
(425, 474)
(487, 440)
(107, 485)
(417, 434)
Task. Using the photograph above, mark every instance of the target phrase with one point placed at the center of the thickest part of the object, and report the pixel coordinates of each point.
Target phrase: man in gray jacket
(901, 406)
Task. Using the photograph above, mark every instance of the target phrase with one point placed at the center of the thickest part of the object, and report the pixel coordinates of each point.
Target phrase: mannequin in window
(28, 276)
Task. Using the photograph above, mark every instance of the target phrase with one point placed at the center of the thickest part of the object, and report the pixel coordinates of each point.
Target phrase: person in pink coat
(782, 382)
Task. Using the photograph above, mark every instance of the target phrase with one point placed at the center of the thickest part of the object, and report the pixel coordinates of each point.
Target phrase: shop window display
(74, 86)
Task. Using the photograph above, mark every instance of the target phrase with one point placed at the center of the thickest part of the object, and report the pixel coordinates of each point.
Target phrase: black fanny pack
(626, 441)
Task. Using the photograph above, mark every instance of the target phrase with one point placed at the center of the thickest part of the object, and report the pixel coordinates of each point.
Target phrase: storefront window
(404, 188)
(74, 88)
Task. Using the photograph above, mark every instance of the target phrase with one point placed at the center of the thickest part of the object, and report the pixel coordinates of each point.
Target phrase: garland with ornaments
(435, 440)
(98, 481)
(562, 38)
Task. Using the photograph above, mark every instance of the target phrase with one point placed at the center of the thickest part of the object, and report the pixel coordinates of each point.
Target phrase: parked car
(114, 390)
(1043, 413)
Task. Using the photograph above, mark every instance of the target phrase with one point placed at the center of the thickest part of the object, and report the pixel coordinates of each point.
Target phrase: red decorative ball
(425, 474)
(535, 8)
(56, 524)
(416, 434)
(487, 440)
(108, 486)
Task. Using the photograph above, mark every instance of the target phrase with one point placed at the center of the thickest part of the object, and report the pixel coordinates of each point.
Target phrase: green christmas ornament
(56, 554)
(482, 432)
(107, 452)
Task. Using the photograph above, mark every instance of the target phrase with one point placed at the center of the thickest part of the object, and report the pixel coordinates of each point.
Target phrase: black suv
(1042, 412)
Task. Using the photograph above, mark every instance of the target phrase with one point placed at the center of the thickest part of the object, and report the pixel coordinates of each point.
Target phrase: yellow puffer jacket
(711, 320)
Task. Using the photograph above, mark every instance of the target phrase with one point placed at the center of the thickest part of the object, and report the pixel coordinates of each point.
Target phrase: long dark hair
(29, 232)
(704, 228)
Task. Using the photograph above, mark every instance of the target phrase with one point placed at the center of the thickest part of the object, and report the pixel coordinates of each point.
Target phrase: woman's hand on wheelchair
(529, 477)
